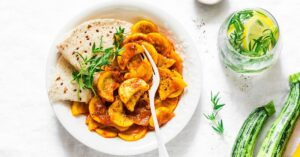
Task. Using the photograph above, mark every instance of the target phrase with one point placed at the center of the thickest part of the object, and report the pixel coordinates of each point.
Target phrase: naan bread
(62, 87)
(83, 36)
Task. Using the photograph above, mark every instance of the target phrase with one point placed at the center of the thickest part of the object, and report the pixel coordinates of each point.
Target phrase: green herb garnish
(262, 44)
(236, 37)
(217, 125)
(101, 57)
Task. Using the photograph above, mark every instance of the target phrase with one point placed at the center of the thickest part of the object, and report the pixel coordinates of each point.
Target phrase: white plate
(132, 11)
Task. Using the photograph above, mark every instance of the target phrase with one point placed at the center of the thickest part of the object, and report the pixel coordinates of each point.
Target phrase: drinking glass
(246, 64)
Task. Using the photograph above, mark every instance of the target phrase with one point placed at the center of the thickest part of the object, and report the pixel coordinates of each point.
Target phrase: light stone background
(28, 126)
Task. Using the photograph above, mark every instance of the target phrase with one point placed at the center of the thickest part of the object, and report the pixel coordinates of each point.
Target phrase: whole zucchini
(278, 135)
(246, 139)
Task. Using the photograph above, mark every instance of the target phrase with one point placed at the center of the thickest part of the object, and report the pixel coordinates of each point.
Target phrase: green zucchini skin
(278, 135)
(246, 139)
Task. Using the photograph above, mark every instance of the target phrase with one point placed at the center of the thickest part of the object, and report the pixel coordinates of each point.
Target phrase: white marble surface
(29, 127)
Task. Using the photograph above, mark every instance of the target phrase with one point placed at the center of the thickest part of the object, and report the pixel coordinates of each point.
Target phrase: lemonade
(248, 40)
(252, 33)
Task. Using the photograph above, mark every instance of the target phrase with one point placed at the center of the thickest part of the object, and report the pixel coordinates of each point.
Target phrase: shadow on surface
(212, 11)
(262, 84)
(73, 147)
(182, 142)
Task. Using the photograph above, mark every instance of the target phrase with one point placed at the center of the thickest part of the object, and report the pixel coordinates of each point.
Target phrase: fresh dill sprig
(217, 125)
(101, 57)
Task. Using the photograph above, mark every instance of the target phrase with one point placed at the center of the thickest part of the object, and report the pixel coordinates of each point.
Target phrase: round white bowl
(133, 11)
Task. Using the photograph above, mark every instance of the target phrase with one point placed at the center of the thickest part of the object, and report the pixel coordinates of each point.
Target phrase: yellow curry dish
(111, 80)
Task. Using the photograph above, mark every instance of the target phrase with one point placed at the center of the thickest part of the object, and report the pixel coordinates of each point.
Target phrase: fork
(162, 151)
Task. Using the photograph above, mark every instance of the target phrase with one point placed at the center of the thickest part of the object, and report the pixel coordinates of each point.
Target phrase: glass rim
(271, 52)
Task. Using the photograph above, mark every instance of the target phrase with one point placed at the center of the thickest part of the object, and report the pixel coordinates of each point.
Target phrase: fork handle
(162, 151)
